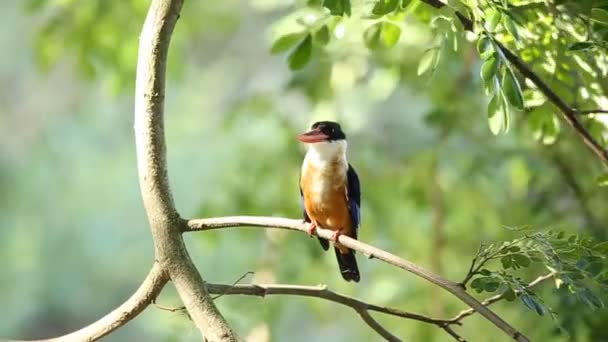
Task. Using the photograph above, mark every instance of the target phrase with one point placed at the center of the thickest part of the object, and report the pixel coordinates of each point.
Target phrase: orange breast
(325, 197)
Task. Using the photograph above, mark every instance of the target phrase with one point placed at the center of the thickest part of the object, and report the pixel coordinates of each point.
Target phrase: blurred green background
(435, 181)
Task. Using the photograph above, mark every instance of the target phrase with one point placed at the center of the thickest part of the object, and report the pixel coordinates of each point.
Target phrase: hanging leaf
(301, 55)
(390, 34)
(428, 60)
(285, 42)
(533, 304)
(338, 7)
(509, 24)
(545, 126)
(599, 16)
(512, 91)
(322, 35)
(492, 19)
(371, 36)
(489, 68)
(383, 7)
(580, 46)
(485, 47)
(498, 119)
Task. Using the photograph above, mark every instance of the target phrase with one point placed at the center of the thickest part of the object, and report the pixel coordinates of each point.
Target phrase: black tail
(348, 265)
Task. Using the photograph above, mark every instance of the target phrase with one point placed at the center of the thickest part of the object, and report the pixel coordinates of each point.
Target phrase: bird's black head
(323, 131)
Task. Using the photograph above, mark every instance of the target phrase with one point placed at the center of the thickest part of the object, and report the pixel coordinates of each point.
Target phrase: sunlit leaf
(428, 61)
(602, 180)
(485, 47)
(338, 7)
(498, 116)
(492, 19)
(512, 90)
(383, 7)
(509, 24)
(286, 42)
(390, 34)
(489, 68)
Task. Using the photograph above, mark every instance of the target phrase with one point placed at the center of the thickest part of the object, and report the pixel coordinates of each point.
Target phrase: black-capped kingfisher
(330, 191)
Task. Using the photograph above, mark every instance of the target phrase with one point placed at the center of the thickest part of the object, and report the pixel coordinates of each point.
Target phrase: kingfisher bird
(330, 192)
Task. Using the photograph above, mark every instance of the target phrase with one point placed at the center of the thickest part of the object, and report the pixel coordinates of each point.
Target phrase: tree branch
(145, 294)
(370, 251)
(164, 219)
(496, 298)
(321, 291)
(568, 113)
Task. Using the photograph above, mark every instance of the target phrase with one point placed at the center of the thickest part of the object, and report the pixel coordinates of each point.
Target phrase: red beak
(313, 136)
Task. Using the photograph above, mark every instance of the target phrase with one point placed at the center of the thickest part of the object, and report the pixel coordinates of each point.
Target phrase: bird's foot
(334, 236)
(312, 230)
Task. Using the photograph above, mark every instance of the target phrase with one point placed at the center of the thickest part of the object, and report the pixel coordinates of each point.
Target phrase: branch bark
(370, 251)
(164, 219)
(321, 291)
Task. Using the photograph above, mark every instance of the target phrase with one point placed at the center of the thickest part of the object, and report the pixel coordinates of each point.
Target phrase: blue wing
(354, 198)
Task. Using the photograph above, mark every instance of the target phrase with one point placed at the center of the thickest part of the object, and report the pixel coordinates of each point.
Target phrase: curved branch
(145, 294)
(370, 251)
(321, 291)
(164, 219)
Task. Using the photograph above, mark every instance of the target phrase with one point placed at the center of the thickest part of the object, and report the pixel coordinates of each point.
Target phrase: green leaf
(301, 55)
(478, 284)
(428, 60)
(580, 46)
(533, 304)
(590, 298)
(512, 90)
(506, 262)
(371, 36)
(322, 35)
(509, 294)
(509, 24)
(338, 7)
(405, 3)
(485, 272)
(492, 17)
(491, 286)
(599, 16)
(544, 125)
(514, 249)
(390, 34)
(602, 180)
(383, 7)
(285, 42)
(488, 69)
(498, 115)
(521, 260)
(485, 47)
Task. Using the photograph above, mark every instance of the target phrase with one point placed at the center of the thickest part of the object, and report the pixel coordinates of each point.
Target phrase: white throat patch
(322, 153)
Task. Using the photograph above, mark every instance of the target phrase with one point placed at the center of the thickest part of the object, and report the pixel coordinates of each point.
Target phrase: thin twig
(496, 298)
(234, 283)
(321, 291)
(591, 111)
(365, 249)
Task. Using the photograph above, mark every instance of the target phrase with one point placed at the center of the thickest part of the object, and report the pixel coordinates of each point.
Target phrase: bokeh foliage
(415, 94)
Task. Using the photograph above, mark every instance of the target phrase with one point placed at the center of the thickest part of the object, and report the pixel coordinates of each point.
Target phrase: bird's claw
(312, 230)
(334, 236)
